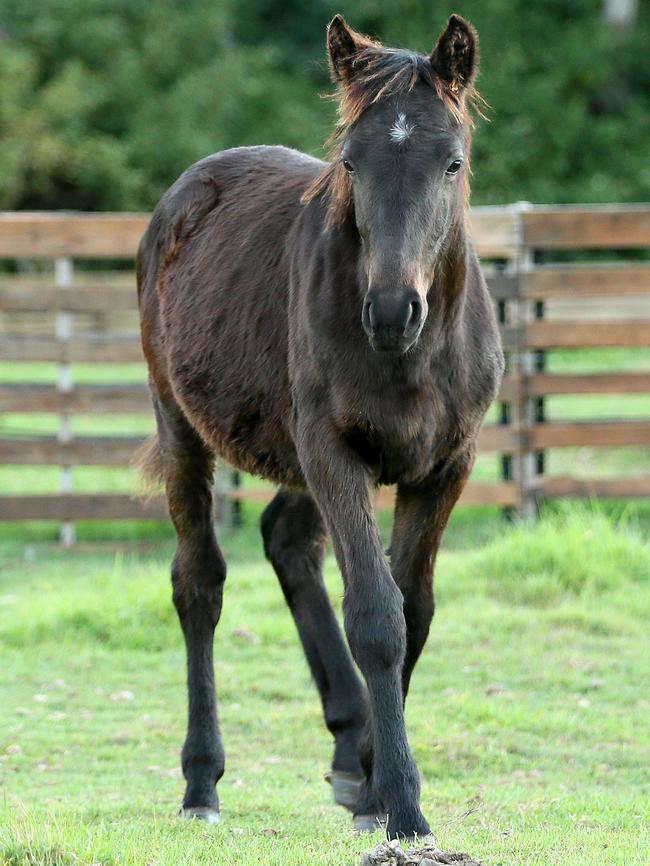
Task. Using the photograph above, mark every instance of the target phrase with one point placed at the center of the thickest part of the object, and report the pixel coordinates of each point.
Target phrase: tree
(104, 102)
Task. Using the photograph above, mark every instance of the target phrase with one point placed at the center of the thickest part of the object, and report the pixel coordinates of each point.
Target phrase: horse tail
(148, 462)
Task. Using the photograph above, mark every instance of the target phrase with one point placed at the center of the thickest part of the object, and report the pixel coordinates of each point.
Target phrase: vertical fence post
(526, 364)
(504, 318)
(540, 400)
(63, 271)
(223, 483)
(237, 511)
(229, 510)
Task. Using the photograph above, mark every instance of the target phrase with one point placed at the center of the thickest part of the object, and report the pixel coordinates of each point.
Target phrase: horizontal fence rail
(54, 314)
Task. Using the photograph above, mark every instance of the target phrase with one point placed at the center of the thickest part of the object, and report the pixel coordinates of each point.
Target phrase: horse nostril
(372, 315)
(367, 317)
(415, 313)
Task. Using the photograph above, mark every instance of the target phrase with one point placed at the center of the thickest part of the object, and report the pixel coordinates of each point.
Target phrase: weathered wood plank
(84, 299)
(97, 280)
(587, 227)
(103, 350)
(541, 384)
(116, 235)
(510, 388)
(597, 434)
(502, 286)
(545, 384)
(553, 334)
(598, 309)
(495, 231)
(82, 400)
(261, 495)
(567, 487)
(497, 437)
(81, 506)
(81, 451)
(573, 335)
(592, 280)
(476, 493)
(511, 337)
(83, 235)
(502, 494)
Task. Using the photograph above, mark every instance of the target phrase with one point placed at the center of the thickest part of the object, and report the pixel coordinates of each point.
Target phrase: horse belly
(240, 424)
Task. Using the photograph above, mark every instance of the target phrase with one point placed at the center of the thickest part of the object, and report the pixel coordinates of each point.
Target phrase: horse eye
(347, 166)
(455, 165)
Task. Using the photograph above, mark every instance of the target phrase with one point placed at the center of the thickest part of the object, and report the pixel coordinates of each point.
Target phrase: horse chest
(401, 440)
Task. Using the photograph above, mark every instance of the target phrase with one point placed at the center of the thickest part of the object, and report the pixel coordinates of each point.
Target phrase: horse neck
(444, 326)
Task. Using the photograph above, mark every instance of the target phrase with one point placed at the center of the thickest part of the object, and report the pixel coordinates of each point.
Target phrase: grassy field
(529, 713)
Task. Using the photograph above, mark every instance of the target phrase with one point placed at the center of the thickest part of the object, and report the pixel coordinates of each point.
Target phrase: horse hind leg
(198, 575)
(294, 542)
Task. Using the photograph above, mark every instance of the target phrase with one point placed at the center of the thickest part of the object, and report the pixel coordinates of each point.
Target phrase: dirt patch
(391, 854)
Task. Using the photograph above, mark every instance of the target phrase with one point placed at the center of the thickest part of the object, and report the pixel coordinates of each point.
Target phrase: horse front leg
(421, 515)
(373, 615)
(294, 542)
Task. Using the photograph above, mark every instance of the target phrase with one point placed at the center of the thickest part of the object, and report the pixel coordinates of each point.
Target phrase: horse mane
(378, 72)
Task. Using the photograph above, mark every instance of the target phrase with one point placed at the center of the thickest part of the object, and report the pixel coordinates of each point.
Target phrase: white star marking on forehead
(401, 130)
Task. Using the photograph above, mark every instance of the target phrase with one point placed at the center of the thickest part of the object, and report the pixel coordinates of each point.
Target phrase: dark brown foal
(326, 326)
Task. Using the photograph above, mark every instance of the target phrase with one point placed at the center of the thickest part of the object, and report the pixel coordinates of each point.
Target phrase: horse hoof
(200, 813)
(369, 823)
(346, 787)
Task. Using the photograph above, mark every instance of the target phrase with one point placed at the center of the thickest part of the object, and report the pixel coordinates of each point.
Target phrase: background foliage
(104, 102)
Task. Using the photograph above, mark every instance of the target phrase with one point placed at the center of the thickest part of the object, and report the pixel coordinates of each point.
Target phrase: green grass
(529, 712)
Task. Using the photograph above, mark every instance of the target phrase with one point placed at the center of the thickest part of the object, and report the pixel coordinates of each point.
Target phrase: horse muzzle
(393, 322)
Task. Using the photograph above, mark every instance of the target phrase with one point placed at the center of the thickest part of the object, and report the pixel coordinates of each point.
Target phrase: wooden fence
(54, 308)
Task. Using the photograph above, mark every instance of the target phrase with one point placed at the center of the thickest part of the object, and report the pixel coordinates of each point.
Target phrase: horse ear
(455, 57)
(343, 43)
